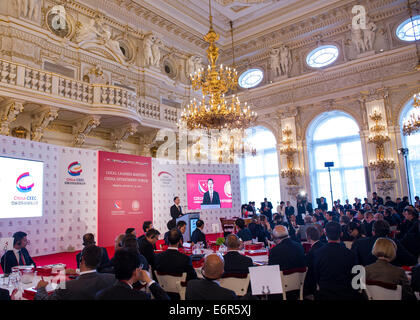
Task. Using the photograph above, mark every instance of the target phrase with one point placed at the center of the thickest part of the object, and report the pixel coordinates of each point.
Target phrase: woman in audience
(382, 270)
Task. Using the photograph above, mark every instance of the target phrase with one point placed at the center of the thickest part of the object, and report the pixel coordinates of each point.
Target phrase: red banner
(124, 194)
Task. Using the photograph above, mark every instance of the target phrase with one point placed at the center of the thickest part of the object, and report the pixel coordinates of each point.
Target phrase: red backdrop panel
(124, 194)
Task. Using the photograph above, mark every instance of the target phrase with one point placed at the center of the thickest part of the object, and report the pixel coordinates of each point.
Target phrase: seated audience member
(344, 223)
(4, 295)
(147, 225)
(173, 261)
(411, 240)
(352, 215)
(131, 231)
(333, 267)
(147, 246)
(355, 231)
(415, 278)
(378, 216)
(360, 216)
(411, 218)
(118, 241)
(89, 240)
(19, 256)
(266, 228)
(86, 285)
(182, 227)
(313, 236)
(234, 261)
(130, 242)
(287, 253)
(382, 270)
(170, 225)
(368, 223)
(128, 272)
(256, 229)
(363, 247)
(389, 217)
(244, 234)
(402, 204)
(301, 234)
(208, 288)
(198, 235)
(389, 202)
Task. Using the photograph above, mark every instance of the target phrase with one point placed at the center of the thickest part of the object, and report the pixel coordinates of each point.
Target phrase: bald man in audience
(234, 261)
(209, 287)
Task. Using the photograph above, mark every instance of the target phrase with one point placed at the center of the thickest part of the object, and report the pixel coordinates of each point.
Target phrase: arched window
(334, 137)
(260, 173)
(412, 143)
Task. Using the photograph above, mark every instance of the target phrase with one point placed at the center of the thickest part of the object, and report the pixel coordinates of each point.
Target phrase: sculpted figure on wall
(28, 8)
(194, 63)
(357, 39)
(369, 35)
(275, 62)
(285, 59)
(156, 52)
(148, 54)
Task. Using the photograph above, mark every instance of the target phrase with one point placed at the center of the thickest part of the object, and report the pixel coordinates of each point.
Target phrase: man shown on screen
(211, 196)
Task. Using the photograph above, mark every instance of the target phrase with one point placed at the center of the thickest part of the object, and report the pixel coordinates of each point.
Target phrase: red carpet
(69, 258)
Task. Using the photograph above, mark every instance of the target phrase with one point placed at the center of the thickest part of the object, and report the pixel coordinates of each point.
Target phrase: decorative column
(381, 159)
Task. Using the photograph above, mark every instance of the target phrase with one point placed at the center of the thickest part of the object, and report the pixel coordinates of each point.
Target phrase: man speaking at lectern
(176, 210)
(211, 196)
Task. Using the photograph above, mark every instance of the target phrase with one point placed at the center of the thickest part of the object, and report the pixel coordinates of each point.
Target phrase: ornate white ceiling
(250, 17)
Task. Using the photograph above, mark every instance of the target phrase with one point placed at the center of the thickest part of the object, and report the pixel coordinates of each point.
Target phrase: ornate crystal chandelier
(214, 111)
(412, 124)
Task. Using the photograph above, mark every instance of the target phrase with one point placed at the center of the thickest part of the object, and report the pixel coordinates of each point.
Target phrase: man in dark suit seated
(266, 209)
(4, 295)
(89, 240)
(170, 225)
(19, 256)
(147, 246)
(130, 242)
(234, 261)
(173, 261)
(211, 196)
(363, 247)
(176, 210)
(86, 285)
(244, 233)
(209, 288)
(333, 267)
(367, 223)
(287, 253)
(147, 225)
(313, 236)
(128, 272)
(198, 235)
(182, 227)
(415, 278)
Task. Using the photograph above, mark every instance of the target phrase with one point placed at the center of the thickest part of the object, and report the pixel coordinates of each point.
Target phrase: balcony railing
(77, 92)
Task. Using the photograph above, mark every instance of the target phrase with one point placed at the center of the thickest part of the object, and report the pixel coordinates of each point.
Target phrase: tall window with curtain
(260, 173)
(412, 143)
(334, 137)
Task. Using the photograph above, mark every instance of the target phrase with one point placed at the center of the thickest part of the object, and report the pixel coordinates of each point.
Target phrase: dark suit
(175, 212)
(323, 206)
(8, 260)
(332, 269)
(4, 295)
(309, 286)
(146, 249)
(173, 261)
(268, 213)
(84, 287)
(415, 278)
(237, 263)
(288, 254)
(244, 234)
(203, 289)
(367, 227)
(363, 250)
(411, 240)
(215, 200)
(122, 291)
(288, 211)
(102, 265)
(198, 236)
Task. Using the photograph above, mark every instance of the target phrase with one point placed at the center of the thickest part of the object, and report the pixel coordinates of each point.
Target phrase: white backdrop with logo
(170, 180)
(69, 210)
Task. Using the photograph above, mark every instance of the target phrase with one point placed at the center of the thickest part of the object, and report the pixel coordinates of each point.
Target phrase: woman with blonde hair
(382, 270)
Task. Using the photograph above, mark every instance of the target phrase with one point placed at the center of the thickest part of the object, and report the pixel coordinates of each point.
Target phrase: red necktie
(21, 259)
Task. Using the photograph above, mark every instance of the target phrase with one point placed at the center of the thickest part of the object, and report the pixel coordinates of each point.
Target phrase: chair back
(236, 282)
(377, 290)
(293, 279)
(172, 282)
(160, 244)
(348, 244)
(228, 225)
